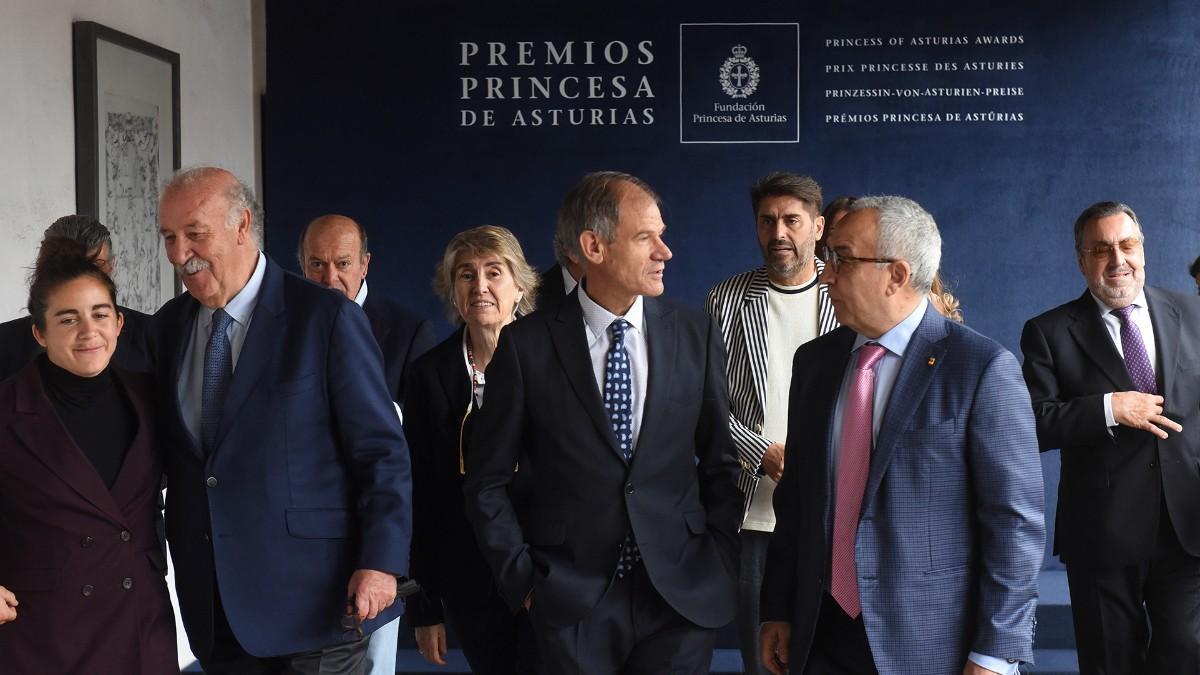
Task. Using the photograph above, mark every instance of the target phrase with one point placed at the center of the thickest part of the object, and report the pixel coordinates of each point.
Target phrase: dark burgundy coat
(84, 561)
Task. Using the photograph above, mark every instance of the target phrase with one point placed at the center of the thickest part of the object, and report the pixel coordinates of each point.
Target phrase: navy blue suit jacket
(307, 482)
(402, 337)
(679, 495)
(951, 532)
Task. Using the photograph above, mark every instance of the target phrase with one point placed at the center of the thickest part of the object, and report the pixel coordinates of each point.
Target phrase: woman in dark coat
(485, 282)
(79, 482)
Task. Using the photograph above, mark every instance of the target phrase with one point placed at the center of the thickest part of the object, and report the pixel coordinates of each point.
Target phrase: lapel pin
(932, 360)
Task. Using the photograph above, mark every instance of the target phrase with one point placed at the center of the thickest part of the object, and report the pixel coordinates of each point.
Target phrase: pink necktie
(854, 463)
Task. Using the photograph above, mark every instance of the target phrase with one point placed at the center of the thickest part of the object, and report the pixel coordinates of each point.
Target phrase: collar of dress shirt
(597, 319)
(897, 338)
(362, 294)
(1139, 301)
(569, 282)
(241, 306)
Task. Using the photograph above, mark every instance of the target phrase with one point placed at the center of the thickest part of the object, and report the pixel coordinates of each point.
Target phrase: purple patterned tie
(1137, 362)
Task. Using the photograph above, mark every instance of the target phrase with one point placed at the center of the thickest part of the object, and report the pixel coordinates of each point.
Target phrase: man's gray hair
(906, 232)
(84, 229)
(239, 195)
(593, 204)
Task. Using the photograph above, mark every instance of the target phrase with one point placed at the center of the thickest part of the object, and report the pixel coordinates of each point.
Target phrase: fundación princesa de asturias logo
(739, 74)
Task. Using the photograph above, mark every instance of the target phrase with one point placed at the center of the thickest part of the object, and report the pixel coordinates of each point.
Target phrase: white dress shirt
(1141, 318)
(596, 322)
(895, 341)
(191, 377)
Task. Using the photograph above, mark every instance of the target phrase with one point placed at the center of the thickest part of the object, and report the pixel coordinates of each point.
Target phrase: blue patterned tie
(1137, 361)
(618, 399)
(218, 370)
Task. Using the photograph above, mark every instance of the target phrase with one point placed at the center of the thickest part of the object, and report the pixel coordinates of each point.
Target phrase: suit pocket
(26, 579)
(298, 384)
(319, 523)
(546, 532)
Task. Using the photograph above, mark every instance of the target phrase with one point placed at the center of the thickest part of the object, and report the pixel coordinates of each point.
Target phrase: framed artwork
(126, 145)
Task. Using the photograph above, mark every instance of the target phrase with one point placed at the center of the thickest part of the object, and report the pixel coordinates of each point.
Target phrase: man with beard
(764, 315)
(1115, 380)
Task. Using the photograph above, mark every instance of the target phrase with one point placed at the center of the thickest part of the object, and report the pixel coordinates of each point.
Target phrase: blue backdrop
(1003, 121)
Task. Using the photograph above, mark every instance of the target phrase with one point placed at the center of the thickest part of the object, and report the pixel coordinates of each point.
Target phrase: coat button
(211, 482)
(206, 537)
(758, 429)
(125, 536)
(87, 542)
(127, 583)
(629, 488)
(1153, 464)
(87, 590)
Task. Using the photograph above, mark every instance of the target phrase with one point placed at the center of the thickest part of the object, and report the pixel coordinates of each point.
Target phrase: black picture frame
(126, 92)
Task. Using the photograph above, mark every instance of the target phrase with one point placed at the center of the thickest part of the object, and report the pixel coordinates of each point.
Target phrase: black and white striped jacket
(739, 306)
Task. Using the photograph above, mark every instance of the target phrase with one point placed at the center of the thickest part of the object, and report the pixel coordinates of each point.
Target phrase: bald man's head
(333, 252)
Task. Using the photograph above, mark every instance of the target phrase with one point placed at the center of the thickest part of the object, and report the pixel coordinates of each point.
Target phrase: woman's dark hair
(61, 260)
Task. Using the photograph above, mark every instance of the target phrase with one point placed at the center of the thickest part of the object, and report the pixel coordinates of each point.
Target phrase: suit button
(1011, 660)
(1153, 464)
(125, 536)
(206, 537)
(87, 542)
(758, 429)
(87, 590)
(211, 482)
(629, 488)
(127, 583)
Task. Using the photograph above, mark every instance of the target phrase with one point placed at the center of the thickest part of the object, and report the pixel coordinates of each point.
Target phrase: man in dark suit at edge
(1115, 380)
(615, 403)
(563, 277)
(289, 501)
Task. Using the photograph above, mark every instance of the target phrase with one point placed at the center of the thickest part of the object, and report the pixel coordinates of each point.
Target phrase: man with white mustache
(764, 315)
(289, 501)
(1114, 376)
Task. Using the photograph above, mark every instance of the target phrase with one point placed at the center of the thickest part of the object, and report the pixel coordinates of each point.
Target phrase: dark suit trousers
(494, 640)
(1111, 621)
(839, 646)
(632, 631)
(228, 657)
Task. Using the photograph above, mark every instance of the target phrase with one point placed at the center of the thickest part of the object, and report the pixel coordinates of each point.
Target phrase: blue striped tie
(218, 370)
(618, 399)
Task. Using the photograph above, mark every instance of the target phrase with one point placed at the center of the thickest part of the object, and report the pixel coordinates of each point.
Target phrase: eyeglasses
(1102, 250)
(834, 259)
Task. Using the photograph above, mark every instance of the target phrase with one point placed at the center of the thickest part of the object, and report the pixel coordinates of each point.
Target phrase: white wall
(37, 144)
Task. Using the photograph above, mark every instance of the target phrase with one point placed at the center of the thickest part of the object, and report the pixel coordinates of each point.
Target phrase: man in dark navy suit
(289, 501)
(563, 277)
(17, 346)
(333, 252)
(612, 413)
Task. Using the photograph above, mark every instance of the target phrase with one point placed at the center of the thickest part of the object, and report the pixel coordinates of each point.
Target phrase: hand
(773, 639)
(372, 592)
(973, 668)
(8, 606)
(772, 462)
(431, 643)
(1142, 411)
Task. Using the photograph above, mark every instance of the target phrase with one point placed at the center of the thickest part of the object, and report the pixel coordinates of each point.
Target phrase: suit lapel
(567, 333)
(754, 332)
(256, 349)
(1094, 339)
(42, 433)
(1164, 316)
(921, 363)
(130, 479)
(182, 329)
(662, 336)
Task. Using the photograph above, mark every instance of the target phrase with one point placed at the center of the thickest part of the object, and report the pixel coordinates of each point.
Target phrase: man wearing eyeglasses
(909, 521)
(764, 315)
(1115, 380)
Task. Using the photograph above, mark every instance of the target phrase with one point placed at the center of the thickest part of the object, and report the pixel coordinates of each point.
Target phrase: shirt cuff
(1109, 420)
(1001, 666)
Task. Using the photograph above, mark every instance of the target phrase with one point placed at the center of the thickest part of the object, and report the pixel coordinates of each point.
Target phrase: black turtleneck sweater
(96, 413)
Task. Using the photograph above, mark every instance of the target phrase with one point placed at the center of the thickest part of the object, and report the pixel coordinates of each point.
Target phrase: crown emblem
(739, 51)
